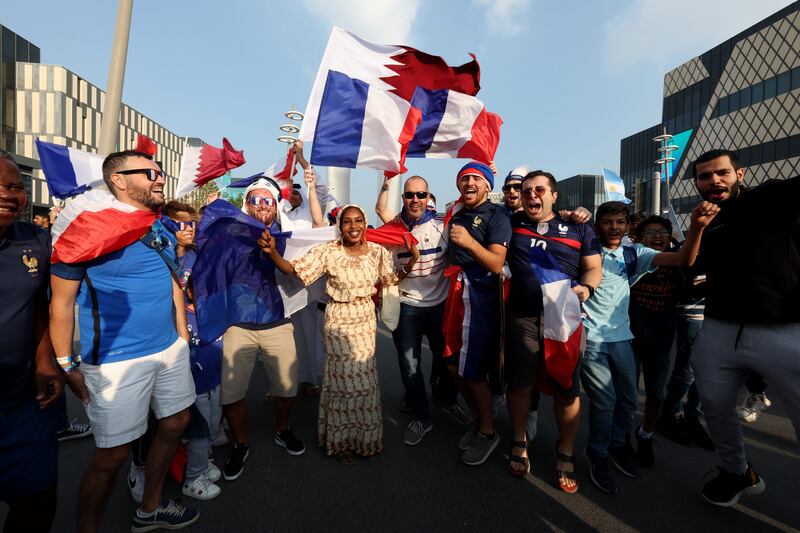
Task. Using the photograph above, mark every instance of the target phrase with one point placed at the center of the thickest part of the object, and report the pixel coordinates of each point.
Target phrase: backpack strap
(631, 258)
(156, 242)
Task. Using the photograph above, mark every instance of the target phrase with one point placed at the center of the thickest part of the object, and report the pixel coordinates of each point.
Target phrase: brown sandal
(524, 461)
(346, 458)
(561, 475)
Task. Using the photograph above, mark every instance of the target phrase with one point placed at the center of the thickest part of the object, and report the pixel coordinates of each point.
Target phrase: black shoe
(726, 488)
(601, 474)
(169, 515)
(286, 440)
(404, 407)
(235, 464)
(675, 428)
(74, 431)
(698, 433)
(624, 458)
(644, 451)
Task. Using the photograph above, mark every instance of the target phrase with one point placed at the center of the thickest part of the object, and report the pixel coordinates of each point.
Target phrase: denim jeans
(197, 449)
(682, 380)
(416, 322)
(608, 375)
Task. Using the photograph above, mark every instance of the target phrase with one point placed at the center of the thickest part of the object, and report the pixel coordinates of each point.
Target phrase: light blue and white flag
(615, 188)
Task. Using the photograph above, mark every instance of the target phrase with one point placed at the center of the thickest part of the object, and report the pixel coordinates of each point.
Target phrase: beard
(144, 196)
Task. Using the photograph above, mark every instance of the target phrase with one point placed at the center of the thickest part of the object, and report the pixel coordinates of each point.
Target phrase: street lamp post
(290, 129)
(664, 160)
(109, 129)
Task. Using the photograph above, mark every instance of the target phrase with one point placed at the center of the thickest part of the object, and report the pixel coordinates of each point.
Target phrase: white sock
(142, 514)
(644, 434)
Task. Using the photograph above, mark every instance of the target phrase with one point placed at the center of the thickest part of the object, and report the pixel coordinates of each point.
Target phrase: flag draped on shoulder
(234, 281)
(359, 112)
(561, 319)
(94, 224)
(69, 171)
(201, 164)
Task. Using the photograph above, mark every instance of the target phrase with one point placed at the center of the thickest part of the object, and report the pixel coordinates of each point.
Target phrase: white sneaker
(201, 488)
(530, 425)
(220, 440)
(213, 473)
(752, 406)
(136, 482)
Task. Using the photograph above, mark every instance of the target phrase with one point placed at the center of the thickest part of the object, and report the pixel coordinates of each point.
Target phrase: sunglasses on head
(151, 173)
(530, 191)
(512, 186)
(260, 200)
(183, 226)
(421, 195)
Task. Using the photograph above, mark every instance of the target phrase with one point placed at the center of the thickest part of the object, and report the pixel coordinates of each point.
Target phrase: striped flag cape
(234, 282)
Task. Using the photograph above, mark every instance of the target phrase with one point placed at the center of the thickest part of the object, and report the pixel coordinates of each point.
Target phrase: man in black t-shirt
(479, 233)
(29, 379)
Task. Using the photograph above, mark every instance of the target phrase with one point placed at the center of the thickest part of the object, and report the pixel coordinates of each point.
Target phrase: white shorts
(121, 393)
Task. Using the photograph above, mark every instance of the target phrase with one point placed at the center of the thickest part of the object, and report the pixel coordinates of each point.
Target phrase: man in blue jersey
(134, 346)
(542, 238)
(479, 233)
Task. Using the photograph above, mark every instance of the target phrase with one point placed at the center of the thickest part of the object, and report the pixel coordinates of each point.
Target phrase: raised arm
(381, 206)
(702, 215)
(298, 152)
(310, 178)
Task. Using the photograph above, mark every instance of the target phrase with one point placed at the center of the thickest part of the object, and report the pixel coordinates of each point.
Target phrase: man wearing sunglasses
(185, 218)
(134, 346)
(262, 335)
(511, 189)
(422, 299)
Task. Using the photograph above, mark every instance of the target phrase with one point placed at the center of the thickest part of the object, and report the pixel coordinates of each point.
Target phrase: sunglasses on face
(421, 195)
(151, 173)
(183, 226)
(258, 201)
(655, 233)
(512, 186)
(538, 190)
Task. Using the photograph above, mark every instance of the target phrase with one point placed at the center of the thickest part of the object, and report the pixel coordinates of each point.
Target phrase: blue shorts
(28, 450)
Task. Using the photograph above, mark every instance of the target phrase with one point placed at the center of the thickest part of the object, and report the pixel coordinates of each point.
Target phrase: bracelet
(588, 288)
(385, 187)
(66, 360)
(407, 270)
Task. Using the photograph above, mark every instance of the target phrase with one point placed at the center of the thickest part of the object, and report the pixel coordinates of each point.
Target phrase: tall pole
(109, 129)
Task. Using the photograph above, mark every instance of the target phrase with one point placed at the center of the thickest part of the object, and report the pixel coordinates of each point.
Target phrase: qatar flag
(201, 164)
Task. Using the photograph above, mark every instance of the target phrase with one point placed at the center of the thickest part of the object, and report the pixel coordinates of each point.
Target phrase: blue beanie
(477, 169)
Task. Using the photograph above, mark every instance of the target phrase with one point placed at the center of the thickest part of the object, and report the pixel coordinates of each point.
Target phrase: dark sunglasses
(183, 226)
(421, 195)
(260, 200)
(151, 173)
(655, 233)
(515, 186)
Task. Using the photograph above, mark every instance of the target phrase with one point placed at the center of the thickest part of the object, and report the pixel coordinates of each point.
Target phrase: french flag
(359, 113)
(561, 318)
(93, 224)
(201, 164)
(69, 171)
(453, 125)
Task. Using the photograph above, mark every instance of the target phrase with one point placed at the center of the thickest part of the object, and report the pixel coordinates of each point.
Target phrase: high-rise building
(581, 190)
(744, 95)
(54, 104)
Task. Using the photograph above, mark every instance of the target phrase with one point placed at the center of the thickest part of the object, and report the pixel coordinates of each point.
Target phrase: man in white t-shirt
(422, 299)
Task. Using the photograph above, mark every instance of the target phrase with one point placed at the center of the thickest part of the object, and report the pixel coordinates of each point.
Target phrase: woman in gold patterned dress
(350, 418)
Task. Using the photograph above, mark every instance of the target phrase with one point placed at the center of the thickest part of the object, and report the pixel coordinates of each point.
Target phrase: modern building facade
(54, 104)
(581, 190)
(744, 95)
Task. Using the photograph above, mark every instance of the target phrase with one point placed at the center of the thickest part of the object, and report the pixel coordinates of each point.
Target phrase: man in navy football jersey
(541, 239)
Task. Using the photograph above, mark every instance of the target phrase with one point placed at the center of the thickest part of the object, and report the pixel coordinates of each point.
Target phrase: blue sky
(569, 78)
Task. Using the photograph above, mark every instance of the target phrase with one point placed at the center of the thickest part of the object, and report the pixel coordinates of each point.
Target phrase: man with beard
(541, 237)
(134, 346)
(29, 379)
(511, 189)
(752, 320)
(479, 232)
(422, 300)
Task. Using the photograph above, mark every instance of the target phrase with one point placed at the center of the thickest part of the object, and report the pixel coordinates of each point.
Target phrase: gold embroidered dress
(350, 405)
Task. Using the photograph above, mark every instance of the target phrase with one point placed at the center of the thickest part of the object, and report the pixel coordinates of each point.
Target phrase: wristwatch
(588, 288)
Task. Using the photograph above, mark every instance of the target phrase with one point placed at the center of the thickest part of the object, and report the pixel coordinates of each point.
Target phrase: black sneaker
(726, 488)
(169, 515)
(235, 464)
(676, 429)
(624, 458)
(404, 407)
(644, 451)
(698, 433)
(286, 440)
(601, 474)
(74, 431)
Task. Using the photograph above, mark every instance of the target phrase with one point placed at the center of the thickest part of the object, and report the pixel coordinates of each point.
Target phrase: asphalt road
(427, 488)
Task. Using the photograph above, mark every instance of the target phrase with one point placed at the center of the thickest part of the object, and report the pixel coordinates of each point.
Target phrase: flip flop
(561, 475)
(524, 461)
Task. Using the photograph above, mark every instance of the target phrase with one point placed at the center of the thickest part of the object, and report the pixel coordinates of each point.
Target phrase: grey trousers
(197, 450)
(721, 365)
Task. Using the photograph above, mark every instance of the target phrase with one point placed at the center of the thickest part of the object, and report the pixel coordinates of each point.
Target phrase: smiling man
(752, 320)
(134, 347)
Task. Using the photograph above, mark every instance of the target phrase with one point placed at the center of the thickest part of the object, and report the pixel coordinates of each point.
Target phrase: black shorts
(524, 356)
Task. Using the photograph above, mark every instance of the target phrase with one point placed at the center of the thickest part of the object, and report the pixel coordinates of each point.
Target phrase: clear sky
(569, 78)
